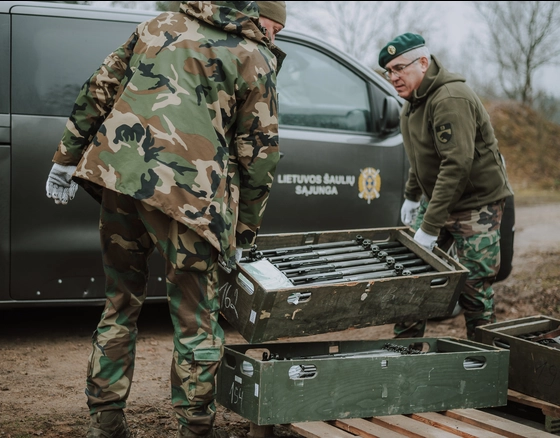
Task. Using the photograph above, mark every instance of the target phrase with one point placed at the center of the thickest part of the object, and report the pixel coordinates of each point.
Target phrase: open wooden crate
(534, 368)
(273, 312)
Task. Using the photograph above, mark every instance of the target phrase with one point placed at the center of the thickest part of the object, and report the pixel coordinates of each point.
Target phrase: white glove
(426, 240)
(238, 253)
(60, 186)
(408, 211)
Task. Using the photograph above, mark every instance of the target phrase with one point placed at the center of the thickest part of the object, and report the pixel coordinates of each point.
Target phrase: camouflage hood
(227, 16)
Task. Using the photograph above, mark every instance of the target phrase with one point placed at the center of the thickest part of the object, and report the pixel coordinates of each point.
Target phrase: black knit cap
(401, 44)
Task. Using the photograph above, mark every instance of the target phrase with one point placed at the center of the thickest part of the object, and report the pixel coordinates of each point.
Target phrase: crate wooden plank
(319, 429)
(365, 428)
(463, 423)
(457, 427)
(515, 327)
(410, 427)
(525, 327)
(524, 399)
(497, 424)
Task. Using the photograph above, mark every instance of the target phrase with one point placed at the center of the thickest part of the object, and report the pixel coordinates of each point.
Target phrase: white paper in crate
(268, 275)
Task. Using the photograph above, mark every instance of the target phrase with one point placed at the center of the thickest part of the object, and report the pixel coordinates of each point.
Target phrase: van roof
(139, 15)
(49, 8)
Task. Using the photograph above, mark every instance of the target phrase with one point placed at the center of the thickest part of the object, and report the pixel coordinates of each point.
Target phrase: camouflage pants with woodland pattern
(476, 234)
(130, 230)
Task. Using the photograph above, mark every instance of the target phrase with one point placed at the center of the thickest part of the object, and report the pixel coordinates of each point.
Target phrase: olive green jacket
(453, 153)
(184, 116)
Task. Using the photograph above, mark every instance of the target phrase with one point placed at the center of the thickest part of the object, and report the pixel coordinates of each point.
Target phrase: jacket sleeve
(412, 190)
(93, 104)
(257, 154)
(454, 132)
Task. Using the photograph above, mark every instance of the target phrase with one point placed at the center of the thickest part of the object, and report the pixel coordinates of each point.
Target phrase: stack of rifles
(336, 262)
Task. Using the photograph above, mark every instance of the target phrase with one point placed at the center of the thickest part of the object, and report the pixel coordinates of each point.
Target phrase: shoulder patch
(444, 132)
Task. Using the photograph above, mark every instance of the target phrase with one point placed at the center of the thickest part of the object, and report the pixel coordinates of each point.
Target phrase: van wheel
(507, 233)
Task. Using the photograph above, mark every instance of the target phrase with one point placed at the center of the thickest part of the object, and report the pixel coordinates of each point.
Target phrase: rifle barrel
(314, 254)
(382, 274)
(341, 273)
(344, 264)
(359, 241)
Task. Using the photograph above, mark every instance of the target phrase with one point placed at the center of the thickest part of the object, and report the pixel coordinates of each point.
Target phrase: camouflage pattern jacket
(184, 116)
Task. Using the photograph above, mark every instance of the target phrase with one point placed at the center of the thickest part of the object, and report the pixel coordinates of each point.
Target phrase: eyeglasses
(397, 70)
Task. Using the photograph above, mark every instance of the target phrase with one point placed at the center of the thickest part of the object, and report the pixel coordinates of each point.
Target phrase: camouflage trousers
(476, 234)
(130, 231)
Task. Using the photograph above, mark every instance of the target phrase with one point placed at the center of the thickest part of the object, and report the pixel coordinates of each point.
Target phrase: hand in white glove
(426, 240)
(408, 211)
(60, 186)
(238, 253)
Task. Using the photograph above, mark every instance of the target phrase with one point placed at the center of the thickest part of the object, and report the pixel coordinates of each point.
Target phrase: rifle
(397, 272)
(330, 252)
(369, 270)
(306, 248)
(320, 260)
(359, 241)
(332, 266)
(292, 264)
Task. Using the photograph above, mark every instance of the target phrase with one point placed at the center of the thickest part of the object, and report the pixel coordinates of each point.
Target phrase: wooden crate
(263, 314)
(534, 368)
(321, 381)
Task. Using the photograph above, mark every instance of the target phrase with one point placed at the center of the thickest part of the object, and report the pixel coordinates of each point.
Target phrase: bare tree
(523, 36)
(361, 28)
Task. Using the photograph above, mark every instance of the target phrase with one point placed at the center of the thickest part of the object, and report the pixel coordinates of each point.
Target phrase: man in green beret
(457, 182)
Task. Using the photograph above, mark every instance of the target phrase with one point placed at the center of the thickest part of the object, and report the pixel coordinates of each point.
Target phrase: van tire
(507, 233)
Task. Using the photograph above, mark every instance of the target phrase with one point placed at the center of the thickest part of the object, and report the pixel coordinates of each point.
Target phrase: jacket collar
(435, 77)
(241, 18)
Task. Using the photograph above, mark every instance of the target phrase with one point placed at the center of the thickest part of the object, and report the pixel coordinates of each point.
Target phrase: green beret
(401, 44)
(276, 11)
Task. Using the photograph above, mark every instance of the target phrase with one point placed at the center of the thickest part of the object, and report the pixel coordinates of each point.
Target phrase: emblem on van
(369, 184)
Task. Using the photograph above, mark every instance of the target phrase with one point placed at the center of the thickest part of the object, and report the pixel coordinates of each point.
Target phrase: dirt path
(537, 229)
(43, 352)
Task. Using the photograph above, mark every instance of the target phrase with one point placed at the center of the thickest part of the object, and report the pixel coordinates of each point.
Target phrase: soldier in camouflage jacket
(163, 131)
(176, 135)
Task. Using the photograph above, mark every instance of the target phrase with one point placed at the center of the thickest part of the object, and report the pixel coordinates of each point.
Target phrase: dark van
(343, 164)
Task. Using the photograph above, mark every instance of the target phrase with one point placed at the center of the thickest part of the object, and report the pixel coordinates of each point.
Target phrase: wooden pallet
(464, 423)
(550, 411)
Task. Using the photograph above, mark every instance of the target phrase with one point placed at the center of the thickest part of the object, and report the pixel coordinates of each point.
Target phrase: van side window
(54, 56)
(316, 91)
(4, 64)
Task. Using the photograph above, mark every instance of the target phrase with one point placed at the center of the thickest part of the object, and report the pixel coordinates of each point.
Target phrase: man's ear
(424, 64)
